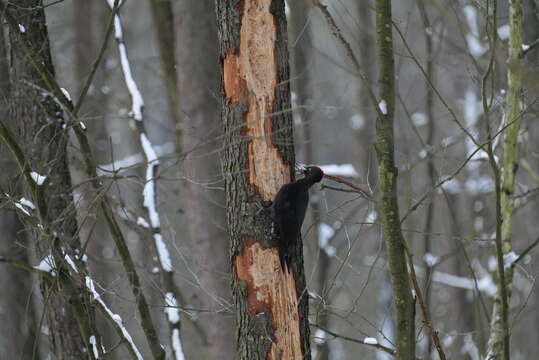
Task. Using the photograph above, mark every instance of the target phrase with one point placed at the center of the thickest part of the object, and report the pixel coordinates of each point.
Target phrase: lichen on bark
(389, 206)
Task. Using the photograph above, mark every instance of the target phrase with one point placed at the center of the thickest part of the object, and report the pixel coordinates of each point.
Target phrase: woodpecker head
(313, 174)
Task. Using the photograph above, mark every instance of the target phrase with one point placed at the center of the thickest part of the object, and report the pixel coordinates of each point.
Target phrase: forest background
(464, 123)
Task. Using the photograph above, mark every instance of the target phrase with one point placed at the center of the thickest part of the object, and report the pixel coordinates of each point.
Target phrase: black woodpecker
(288, 210)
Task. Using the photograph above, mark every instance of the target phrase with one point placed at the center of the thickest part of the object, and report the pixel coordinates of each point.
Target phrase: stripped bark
(258, 159)
(389, 207)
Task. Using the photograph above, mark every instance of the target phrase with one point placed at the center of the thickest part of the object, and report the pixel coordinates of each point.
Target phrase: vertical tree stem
(389, 207)
(499, 338)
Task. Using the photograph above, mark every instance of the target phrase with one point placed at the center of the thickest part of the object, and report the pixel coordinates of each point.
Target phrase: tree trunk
(197, 59)
(389, 206)
(258, 158)
(16, 311)
(498, 343)
(431, 170)
(37, 119)
(163, 19)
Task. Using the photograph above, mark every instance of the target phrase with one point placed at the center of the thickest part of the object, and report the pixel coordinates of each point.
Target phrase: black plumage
(288, 210)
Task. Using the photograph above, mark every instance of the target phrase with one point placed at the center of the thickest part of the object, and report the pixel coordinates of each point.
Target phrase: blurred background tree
(451, 59)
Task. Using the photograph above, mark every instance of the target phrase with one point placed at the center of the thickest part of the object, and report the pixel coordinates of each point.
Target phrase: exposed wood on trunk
(254, 70)
(269, 289)
(258, 159)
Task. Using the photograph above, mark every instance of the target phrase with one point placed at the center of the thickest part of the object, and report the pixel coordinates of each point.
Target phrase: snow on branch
(24, 205)
(27, 203)
(177, 345)
(22, 208)
(137, 105)
(93, 341)
(114, 317)
(47, 265)
(162, 252)
(133, 160)
(38, 179)
(172, 310)
(149, 187)
(382, 105)
(71, 263)
(149, 193)
(370, 341)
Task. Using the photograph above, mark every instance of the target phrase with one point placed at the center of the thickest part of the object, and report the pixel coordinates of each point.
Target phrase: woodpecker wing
(286, 212)
(289, 209)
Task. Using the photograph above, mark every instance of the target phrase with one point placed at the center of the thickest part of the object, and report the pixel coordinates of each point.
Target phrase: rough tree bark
(16, 311)
(389, 207)
(37, 119)
(258, 158)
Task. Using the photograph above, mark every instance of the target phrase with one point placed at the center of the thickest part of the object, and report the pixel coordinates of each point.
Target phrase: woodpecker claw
(264, 206)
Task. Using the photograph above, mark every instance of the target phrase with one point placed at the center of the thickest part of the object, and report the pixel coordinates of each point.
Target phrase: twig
(461, 166)
(528, 48)
(429, 82)
(90, 168)
(149, 194)
(324, 186)
(426, 315)
(23, 265)
(525, 252)
(338, 35)
(347, 338)
(355, 187)
(97, 61)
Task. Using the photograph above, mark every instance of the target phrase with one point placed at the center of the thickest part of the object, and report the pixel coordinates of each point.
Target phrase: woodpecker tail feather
(283, 258)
